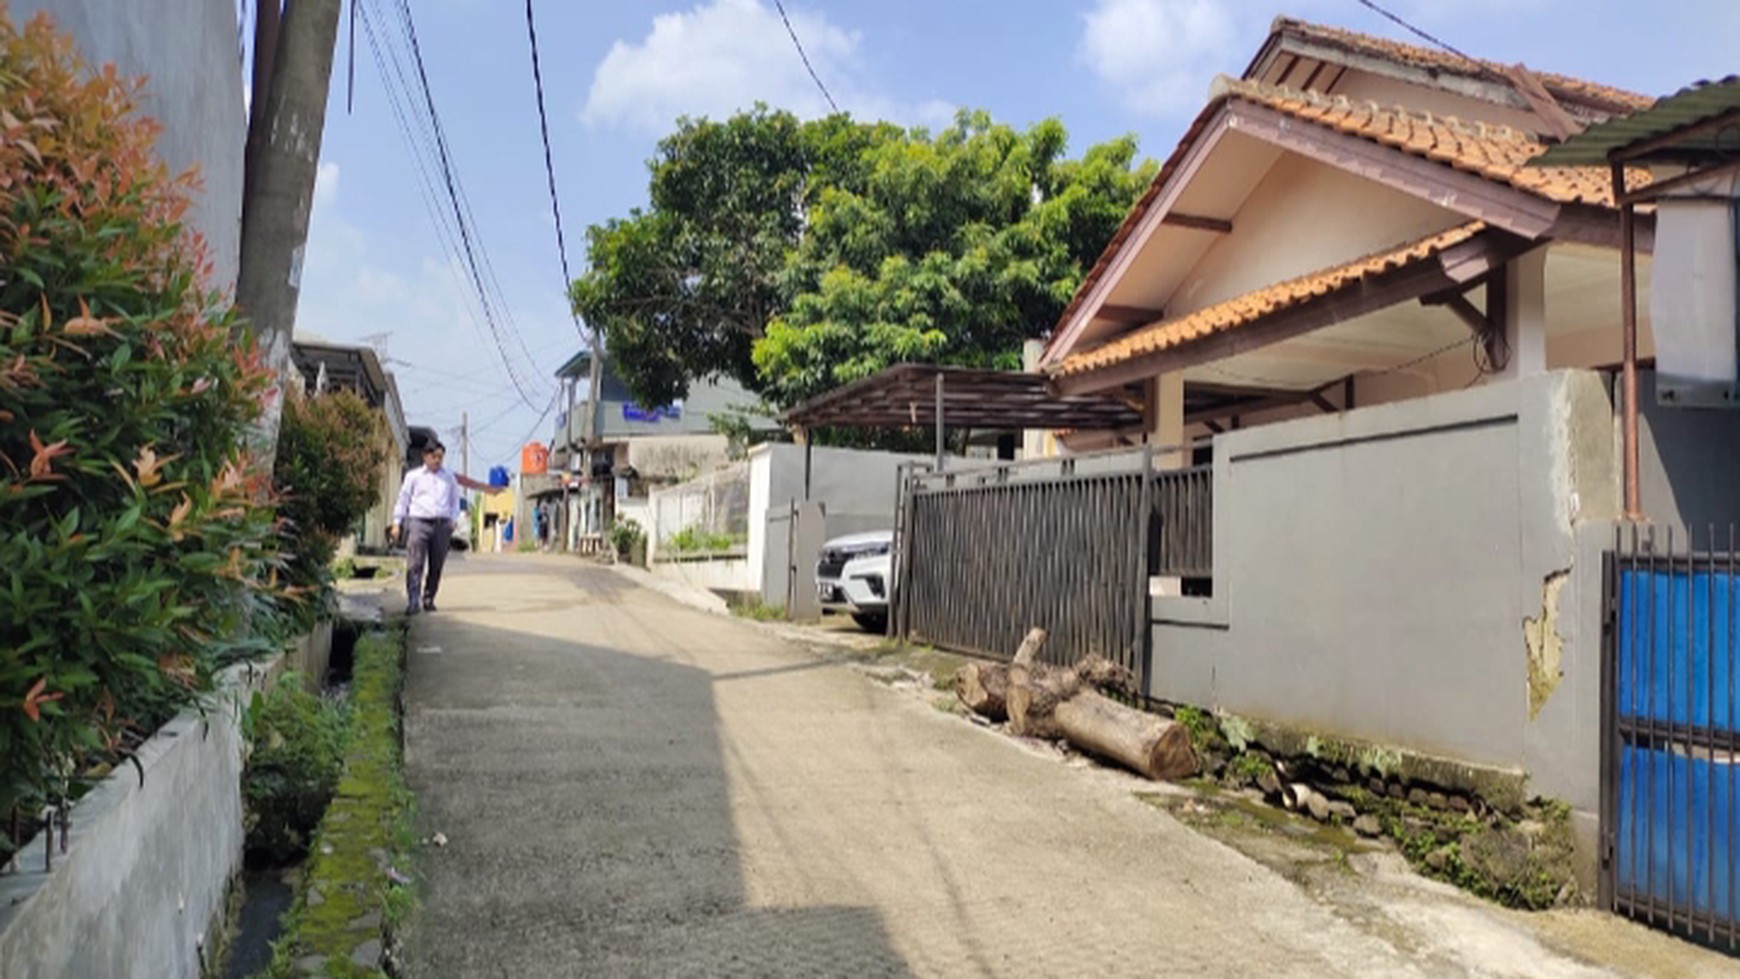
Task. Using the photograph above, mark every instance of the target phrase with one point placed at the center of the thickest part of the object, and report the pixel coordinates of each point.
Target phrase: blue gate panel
(1676, 647)
(1667, 804)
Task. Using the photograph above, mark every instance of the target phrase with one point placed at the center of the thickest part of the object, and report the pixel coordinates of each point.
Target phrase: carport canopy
(912, 395)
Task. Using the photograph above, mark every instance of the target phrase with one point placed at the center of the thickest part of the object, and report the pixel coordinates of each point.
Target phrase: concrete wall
(1688, 465)
(143, 884)
(855, 487)
(190, 52)
(1378, 575)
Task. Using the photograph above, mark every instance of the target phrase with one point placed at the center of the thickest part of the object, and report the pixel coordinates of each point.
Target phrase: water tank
(498, 476)
(534, 459)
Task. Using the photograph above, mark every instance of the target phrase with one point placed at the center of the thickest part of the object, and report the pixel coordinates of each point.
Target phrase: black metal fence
(1068, 545)
(1670, 786)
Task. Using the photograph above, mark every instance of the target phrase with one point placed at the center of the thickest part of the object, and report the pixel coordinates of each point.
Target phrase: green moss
(347, 897)
(1248, 767)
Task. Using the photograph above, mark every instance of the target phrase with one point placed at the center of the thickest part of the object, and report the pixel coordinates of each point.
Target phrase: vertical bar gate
(1068, 545)
(1671, 735)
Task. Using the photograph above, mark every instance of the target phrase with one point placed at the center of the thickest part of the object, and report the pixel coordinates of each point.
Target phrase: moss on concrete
(350, 901)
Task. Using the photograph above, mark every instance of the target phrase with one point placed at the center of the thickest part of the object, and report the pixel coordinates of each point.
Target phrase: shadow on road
(585, 795)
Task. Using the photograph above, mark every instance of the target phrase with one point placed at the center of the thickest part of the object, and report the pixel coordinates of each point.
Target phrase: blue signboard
(635, 413)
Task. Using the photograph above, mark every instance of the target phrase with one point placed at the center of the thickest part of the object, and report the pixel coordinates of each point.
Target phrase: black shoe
(428, 606)
(412, 609)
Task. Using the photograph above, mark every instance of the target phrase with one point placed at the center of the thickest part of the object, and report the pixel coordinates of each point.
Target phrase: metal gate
(1670, 794)
(1068, 545)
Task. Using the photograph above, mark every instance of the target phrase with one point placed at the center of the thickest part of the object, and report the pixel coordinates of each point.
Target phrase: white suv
(843, 577)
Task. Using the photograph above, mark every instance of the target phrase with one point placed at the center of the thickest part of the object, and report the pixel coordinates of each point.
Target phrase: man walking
(428, 505)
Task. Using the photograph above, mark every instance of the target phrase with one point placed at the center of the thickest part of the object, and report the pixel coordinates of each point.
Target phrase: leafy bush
(137, 541)
(625, 535)
(694, 540)
(331, 450)
(297, 742)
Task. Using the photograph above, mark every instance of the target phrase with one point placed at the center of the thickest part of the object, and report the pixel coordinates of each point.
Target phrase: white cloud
(726, 55)
(1159, 55)
(325, 184)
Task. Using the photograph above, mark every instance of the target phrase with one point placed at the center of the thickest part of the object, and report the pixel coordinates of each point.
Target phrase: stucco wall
(1375, 571)
(149, 863)
(189, 50)
(856, 488)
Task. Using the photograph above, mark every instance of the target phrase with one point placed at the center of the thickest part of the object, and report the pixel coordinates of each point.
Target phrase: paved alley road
(635, 788)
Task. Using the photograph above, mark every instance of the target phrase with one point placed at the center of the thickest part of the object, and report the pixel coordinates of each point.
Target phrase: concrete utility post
(282, 161)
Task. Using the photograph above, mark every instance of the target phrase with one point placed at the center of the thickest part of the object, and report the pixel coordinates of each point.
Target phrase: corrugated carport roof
(905, 396)
(1714, 106)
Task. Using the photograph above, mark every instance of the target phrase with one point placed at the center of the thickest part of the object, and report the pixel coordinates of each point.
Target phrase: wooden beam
(1465, 311)
(1214, 426)
(1586, 224)
(1446, 271)
(1132, 315)
(1323, 404)
(1660, 188)
(1542, 103)
(1197, 222)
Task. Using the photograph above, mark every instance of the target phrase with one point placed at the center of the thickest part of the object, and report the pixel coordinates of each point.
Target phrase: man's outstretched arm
(472, 484)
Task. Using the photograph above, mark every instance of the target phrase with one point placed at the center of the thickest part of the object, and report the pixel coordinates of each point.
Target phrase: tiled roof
(1498, 153)
(1252, 306)
(1433, 59)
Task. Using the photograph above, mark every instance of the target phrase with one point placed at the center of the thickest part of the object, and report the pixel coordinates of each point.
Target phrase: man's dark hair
(434, 447)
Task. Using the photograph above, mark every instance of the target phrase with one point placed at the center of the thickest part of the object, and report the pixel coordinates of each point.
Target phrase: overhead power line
(780, 6)
(1422, 35)
(419, 122)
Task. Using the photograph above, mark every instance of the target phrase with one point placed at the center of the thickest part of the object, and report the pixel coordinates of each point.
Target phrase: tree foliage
(138, 545)
(331, 453)
(795, 257)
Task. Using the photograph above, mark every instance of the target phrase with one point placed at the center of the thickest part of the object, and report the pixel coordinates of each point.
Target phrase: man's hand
(393, 532)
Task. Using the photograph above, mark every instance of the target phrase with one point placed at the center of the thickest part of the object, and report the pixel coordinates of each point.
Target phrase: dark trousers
(425, 541)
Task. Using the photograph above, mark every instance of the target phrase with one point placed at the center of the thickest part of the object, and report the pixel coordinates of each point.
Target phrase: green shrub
(345, 569)
(331, 451)
(297, 753)
(138, 545)
(694, 540)
(625, 535)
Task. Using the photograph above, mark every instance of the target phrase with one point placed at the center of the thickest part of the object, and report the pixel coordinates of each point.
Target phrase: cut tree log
(1144, 743)
(984, 688)
(1044, 702)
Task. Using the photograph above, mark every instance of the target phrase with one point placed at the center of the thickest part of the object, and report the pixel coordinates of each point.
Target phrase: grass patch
(355, 889)
(758, 611)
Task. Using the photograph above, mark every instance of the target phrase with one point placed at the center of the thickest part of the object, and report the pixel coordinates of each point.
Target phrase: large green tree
(798, 256)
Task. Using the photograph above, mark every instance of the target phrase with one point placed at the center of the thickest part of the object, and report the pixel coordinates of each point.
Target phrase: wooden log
(984, 688)
(1145, 743)
(1026, 719)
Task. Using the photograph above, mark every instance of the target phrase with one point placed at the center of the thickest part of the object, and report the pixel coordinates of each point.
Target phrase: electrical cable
(780, 6)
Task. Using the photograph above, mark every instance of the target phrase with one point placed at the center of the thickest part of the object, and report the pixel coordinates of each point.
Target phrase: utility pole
(464, 442)
(283, 157)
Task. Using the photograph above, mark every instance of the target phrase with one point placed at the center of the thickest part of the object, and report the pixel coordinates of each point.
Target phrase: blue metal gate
(1671, 737)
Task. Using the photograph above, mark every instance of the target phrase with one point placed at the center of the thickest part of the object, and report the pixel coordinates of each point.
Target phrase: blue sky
(617, 75)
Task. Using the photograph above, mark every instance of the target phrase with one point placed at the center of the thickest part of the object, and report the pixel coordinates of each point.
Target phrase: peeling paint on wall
(1546, 650)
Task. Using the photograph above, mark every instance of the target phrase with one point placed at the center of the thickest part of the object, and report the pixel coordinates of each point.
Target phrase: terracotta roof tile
(1242, 310)
(1497, 153)
(1600, 96)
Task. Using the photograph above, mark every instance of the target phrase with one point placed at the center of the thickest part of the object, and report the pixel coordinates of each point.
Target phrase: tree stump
(984, 689)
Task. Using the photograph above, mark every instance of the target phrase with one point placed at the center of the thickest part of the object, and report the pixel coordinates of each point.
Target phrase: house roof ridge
(1265, 93)
(1436, 59)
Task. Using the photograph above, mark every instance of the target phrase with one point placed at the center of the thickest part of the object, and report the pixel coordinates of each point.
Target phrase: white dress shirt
(428, 495)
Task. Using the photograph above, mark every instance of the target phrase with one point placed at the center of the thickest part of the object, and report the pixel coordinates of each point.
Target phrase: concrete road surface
(635, 788)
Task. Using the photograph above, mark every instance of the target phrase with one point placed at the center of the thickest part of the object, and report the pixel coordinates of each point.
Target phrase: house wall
(1688, 466)
(674, 456)
(1376, 574)
(194, 91)
(856, 488)
(1304, 216)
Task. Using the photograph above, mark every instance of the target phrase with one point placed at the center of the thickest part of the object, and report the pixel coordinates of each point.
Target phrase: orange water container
(534, 459)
